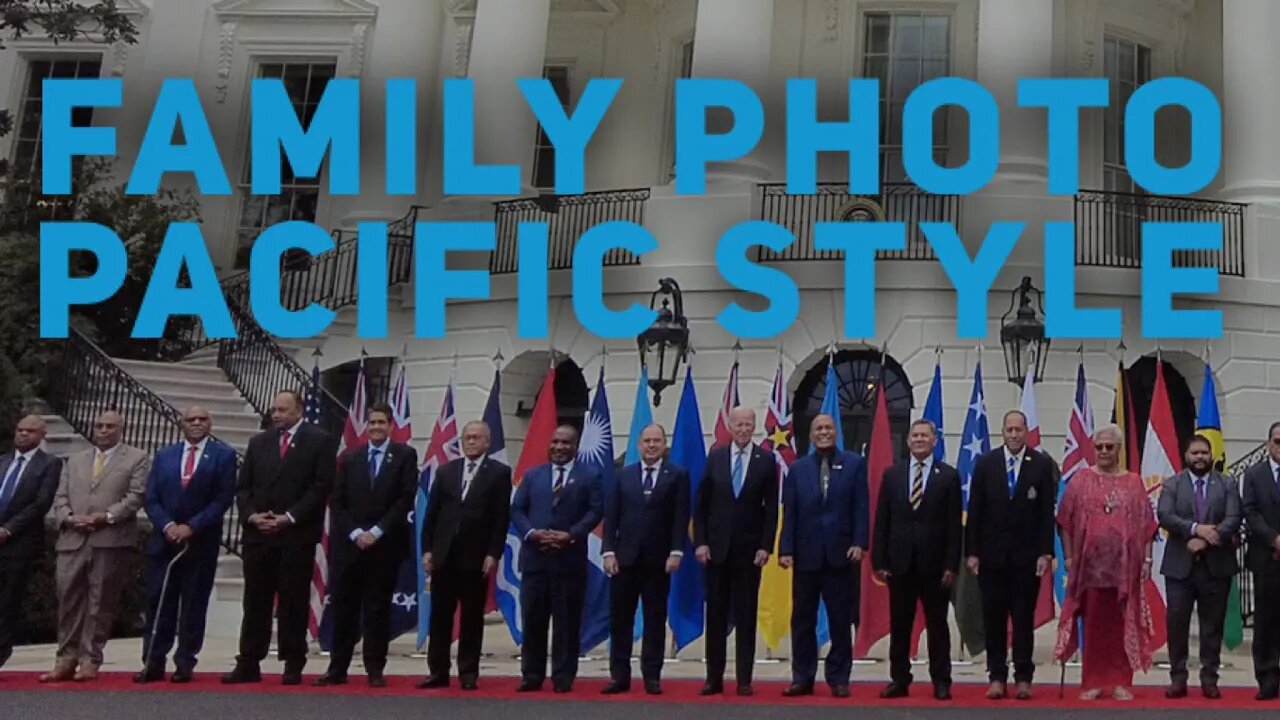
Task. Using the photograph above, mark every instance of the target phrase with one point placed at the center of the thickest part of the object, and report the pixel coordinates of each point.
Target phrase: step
(164, 369)
(228, 581)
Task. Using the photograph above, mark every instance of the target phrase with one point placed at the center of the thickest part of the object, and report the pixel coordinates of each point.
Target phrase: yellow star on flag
(779, 438)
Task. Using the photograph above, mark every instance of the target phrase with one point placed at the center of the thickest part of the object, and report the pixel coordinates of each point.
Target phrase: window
(25, 158)
(684, 69)
(858, 373)
(1127, 65)
(298, 198)
(544, 156)
(903, 50)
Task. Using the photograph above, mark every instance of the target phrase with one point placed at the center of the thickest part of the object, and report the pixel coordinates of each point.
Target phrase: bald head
(29, 433)
(108, 429)
(196, 424)
(653, 443)
(742, 424)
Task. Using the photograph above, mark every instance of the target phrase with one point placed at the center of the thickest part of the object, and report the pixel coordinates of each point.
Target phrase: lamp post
(1023, 335)
(665, 343)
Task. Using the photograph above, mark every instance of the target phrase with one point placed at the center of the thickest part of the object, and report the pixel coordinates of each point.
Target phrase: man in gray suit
(96, 508)
(1200, 509)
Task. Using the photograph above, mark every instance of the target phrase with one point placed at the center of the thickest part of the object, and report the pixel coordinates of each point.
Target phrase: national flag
(595, 449)
(873, 599)
(445, 445)
(1077, 454)
(1122, 416)
(404, 599)
(1209, 424)
(1044, 613)
(542, 427)
(641, 417)
(933, 412)
(685, 603)
(774, 611)
(975, 440)
(398, 399)
(1160, 460)
(497, 452)
(723, 435)
(830, 406)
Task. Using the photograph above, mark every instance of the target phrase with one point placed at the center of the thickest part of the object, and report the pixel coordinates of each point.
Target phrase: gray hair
(1110, 429)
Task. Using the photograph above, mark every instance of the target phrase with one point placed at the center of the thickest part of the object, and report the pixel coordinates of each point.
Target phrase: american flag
(1077, 454)
(445, 445)
(723, 436)
(311, 412)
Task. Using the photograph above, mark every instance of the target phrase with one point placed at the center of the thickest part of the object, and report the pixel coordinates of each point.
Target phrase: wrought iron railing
(898, 202)
(1109, 229)
(1237, 471)
(567, 218)
(89, 383)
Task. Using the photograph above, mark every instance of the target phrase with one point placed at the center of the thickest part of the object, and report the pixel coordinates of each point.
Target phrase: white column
(509, 41)
(733, 40)
(1015, 40)
(1251, 101)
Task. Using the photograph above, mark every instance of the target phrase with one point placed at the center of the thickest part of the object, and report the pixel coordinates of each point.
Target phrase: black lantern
(1023, 338)
(665, 343)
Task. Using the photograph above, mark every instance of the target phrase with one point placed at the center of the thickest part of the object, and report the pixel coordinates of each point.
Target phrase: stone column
(1015, 40)
(1250, 101)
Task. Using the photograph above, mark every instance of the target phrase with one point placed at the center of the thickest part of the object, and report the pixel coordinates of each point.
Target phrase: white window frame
(538, 146)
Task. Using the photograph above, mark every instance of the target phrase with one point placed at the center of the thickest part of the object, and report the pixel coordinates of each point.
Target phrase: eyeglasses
(1275, 441)
(1105, 446)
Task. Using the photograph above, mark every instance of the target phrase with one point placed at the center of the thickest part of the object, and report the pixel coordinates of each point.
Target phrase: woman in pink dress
(1107, 527)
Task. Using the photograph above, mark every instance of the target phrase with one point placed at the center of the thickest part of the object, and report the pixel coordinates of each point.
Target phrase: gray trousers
(89, 582)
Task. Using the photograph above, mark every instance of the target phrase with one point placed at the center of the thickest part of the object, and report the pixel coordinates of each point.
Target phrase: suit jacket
(31, 500)
(119, 493)
(735, 528)
(1177, 511)
(470, 529)
(926, 540)
(818, 533)
(1262, 513)
(357, 503)
(297, 484)
(1003, 531)
(201, 505)
(647, 530)
(580, 509)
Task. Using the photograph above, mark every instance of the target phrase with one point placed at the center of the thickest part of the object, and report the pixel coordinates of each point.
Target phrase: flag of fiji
(596, 449)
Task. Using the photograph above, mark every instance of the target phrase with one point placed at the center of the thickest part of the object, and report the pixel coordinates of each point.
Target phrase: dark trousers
(184, 609)
(1009, 592)
(632, 583)
(735, 587)
(904, 592)
(452, 587)
(276, 578)
(834, 585)
(1266, 629)
(14, 572)
(547, 598)
(1209, 595)
(360, 589)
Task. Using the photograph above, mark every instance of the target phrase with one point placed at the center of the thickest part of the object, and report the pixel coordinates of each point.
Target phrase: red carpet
(674, 691)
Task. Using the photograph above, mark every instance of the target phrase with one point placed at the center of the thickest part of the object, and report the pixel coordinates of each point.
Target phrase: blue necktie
(373, 464)
(737, 475)
(648, 480)
(10, 485)
(1013, 477)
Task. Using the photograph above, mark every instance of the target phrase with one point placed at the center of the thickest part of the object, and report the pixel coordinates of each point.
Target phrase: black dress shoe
(329, 679)
(615, 687)
(711, 689)
(180, 676)
(378, 681)
(942, 691)
(291, 678)
(469, 684)
(653, 687)
(562, 688)
(529, 686)
(797, 690)
(1211, 692)
(151, 674)
(242, 674)
(893, 690)
(1176, 690)
(745, 691)
(432, 682)
(840, 691)
(1267, 693)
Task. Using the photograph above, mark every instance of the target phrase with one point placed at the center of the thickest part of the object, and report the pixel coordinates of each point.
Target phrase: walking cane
(155, 619)
(1062, 680)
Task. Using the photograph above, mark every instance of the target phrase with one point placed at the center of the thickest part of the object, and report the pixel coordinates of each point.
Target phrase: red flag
(723, 436)
(542, 426)
(873, 603)
(1160, 460)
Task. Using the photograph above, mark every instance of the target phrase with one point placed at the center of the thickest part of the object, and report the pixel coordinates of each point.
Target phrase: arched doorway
(522, 379)
(1142, 381)
(857, 372)
(341, 380)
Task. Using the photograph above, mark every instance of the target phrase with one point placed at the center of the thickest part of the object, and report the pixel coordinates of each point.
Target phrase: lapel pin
(1031, 493)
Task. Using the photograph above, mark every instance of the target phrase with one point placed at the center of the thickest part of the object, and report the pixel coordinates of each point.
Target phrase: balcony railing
(1109, 229)
(89, 383)
(900, 202)
(567, 218)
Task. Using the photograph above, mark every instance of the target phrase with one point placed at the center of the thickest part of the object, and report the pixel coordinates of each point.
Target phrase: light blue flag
(689, 451)
(595, 449)
(830, 406)
(641, 418)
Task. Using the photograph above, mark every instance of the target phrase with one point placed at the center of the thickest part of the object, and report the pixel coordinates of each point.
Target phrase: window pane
(304, 205)
(933, 69)
(64, 69)
(906, 77)
(907, 30)
(940, 117)
(30, 125)
(877, 68)
(1127, 62)
(878, 34)
(937, 38)
(251, 211)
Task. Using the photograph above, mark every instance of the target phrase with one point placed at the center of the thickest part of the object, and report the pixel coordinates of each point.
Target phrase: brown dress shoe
(60, 673)
(996, 691)
(1023, 691)
(87, 673)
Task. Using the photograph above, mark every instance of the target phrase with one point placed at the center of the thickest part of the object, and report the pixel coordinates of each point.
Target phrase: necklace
(1112, 500)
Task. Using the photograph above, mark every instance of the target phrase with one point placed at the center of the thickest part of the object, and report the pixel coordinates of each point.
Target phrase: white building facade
(1227, 46)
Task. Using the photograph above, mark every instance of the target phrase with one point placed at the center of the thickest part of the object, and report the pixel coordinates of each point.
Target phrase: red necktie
(189, 469)
(284, 443)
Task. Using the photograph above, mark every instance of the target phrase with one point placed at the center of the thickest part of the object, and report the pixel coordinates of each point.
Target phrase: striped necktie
(917, 486)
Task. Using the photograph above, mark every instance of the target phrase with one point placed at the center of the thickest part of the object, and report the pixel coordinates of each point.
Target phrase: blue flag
(445, 445)
(641, 418)
(685, 603)
(595, 449)
(933, 413)
(830, 406)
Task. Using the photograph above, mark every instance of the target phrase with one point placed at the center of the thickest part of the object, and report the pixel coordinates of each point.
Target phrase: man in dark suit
(189, 488)
(735, 523)
(916, 550)
(825, 531)
(463, 537)
(368, 539)
(1009, 544)
(556, 506)
(1200, 509)
(28, 480)
(1262, 513)
(646, 521)
(281, 493)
